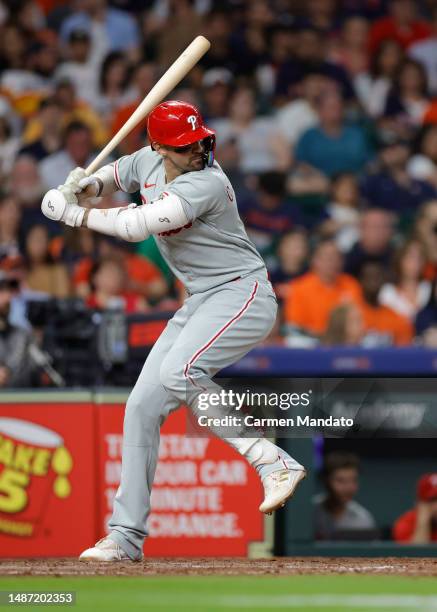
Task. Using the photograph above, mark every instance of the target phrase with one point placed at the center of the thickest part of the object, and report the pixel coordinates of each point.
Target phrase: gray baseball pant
(209, 332)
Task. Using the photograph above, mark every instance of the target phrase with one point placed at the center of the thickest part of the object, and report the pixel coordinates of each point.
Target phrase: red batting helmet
(176, 124)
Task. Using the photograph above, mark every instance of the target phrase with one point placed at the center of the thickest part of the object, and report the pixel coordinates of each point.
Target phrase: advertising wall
(47, 477)
(60, 465)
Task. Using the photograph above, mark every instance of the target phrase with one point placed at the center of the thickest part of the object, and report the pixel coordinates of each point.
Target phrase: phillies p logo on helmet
(193, 120)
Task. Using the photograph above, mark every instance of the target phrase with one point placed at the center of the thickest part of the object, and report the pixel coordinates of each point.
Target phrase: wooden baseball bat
(174, 75)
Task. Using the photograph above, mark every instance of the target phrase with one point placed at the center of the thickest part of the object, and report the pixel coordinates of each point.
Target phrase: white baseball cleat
(280, 486)
(105, 550)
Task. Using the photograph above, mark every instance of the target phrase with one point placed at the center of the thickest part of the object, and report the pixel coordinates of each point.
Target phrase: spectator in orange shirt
(383, 325)
(311, 298)
(419, 526)
(402, 25)
(144, 277)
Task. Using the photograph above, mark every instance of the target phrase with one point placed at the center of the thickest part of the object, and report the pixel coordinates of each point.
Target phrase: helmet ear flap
(209, 144)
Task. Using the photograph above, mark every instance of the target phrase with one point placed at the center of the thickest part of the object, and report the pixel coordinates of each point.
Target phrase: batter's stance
(189, 206)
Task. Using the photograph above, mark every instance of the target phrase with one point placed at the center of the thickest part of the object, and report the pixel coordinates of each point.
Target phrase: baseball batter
(189, 206)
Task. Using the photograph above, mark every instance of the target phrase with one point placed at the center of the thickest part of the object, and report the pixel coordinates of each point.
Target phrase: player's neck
(171, 171)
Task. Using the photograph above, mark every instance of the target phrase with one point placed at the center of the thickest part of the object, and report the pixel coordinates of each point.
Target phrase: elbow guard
(127, 223)
(130, 224)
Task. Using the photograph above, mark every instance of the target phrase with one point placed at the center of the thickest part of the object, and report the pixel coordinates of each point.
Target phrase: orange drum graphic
(34, 465)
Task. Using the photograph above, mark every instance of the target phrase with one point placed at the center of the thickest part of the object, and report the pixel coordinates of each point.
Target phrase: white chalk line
(415, 602)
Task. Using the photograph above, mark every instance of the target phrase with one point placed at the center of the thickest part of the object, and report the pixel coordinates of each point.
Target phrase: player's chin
(197, 163)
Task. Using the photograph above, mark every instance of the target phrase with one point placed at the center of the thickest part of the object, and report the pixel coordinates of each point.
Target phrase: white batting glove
(91, 182)
(56, 207)
(73, 179)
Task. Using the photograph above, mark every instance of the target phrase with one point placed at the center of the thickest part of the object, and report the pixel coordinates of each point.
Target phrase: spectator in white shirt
(78, 68)
(372, 87)
(301, 114)
(409, 292)
(247, 142)
(77, 151)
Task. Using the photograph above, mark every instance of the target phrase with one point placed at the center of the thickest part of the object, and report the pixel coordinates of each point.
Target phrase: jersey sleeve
(127, 169)
(201, 193)
(403, 528)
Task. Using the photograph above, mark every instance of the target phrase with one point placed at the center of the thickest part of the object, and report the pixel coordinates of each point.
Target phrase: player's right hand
(90, 184)
(73, 179)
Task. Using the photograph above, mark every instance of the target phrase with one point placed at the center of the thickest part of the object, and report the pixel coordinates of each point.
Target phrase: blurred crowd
(326, 120)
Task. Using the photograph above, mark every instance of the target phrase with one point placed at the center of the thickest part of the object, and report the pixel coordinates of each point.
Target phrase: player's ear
(158, 148)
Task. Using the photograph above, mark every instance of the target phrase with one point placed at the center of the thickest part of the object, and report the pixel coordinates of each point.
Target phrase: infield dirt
(280, 566)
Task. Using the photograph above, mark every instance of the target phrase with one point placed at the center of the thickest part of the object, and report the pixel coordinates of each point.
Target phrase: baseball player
(189, 206)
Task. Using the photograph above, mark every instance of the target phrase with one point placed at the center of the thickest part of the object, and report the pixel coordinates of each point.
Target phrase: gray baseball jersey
(213, 248)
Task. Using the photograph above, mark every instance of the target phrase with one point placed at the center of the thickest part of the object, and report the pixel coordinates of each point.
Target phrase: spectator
(310, 55)
(390, 186)
(345, 326)
(10, 217)
(419, 526)
(383, 325)
(343, 220)
(280, 39)
(26, 186)
(374, 243)
(423, 165)
(292, 255)
(77, 151)
(218, 28)
(43, 134)
(350, 50)
(321, 15)
(13, 47)
(299, 115)
(9, 146)
(78, 69)
(333, 146)
(15, 364)
(372, 87)
(266, 213)
(425, 229)
(42, 273)
(408, 99)
(113, 91)
(182, 25)
(425, 52)
(324, 280)
(143, 277)
(108, 280)
(110, 29)
(27, 83)
(144, 78)
(402, 24)
(336, 511)
(216, 88)
(409, 291)
(76, 110)
(249, 143)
